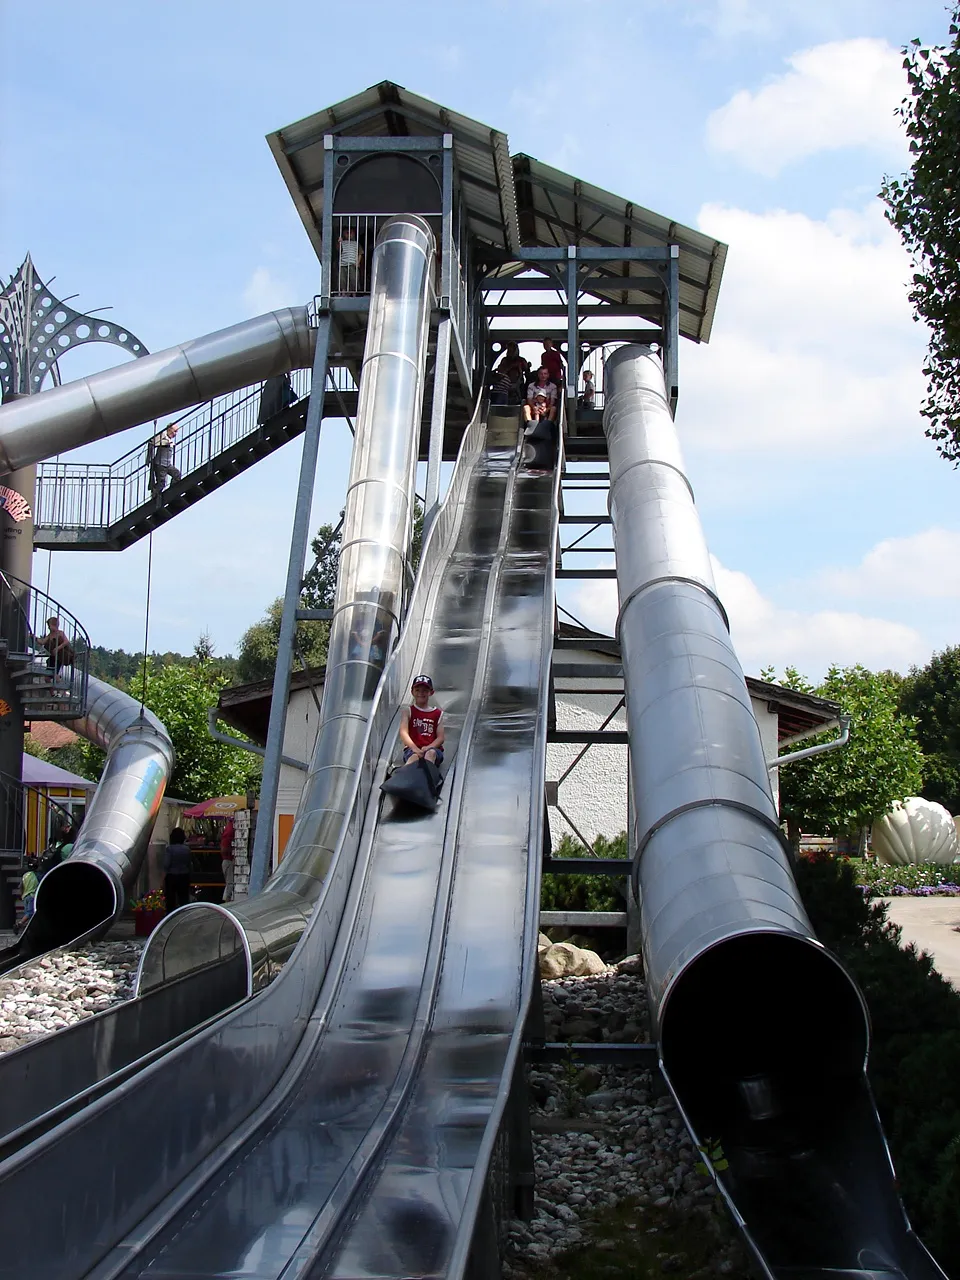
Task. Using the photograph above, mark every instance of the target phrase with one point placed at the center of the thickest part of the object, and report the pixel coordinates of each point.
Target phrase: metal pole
(672, 328)
(438, 410)
(263, 842)
(573, 340)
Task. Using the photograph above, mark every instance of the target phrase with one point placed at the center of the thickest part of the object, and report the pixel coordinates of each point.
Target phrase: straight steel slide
(149, 1147)
(763, 1035)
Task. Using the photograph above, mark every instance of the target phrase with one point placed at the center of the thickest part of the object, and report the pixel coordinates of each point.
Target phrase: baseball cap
(422, 679)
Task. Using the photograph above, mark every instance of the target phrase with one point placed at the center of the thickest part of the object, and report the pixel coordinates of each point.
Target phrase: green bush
(915, 1056)
(582, 892)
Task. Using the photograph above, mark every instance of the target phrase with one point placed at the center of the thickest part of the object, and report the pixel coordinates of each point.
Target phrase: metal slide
(304, 1087)
(374, 552)
(763, 1035)
(80, 898)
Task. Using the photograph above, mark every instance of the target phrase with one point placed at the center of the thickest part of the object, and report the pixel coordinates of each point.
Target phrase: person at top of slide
(420, 730)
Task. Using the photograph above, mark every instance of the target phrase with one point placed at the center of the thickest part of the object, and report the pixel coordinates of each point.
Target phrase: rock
(631, 965)
(543, 941)
(563, 959)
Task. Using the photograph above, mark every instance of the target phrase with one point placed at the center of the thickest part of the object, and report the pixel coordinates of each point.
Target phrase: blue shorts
(407, 753)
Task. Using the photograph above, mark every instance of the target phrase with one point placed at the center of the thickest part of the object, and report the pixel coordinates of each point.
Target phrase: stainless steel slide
(80, 898)
(304, 1070)
(763, 1035)
(38, 427)
(377, 529)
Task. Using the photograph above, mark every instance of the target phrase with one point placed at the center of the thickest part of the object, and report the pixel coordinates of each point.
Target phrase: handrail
(83, 495)
(22, 607)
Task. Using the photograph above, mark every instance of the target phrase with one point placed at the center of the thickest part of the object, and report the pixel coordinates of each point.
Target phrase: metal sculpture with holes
(36, 328)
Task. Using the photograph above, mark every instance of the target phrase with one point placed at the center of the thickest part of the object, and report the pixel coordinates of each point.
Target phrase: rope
(146, 622)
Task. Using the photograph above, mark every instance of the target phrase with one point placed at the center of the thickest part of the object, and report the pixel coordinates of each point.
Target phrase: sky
(135, 171)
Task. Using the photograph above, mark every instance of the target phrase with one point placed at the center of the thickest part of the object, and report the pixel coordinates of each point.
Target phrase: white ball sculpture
(916, 830)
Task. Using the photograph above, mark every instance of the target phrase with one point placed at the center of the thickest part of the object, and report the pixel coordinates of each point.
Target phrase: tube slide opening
(757, 1028)
(74, 898)
(193, 938)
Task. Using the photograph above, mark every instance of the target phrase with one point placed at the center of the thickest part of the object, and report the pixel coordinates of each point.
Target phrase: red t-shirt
(423, 724)
(552, 361)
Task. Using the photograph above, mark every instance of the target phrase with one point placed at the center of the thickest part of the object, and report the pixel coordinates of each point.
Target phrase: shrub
(583, 892)
(915, 1055)
(921, 879)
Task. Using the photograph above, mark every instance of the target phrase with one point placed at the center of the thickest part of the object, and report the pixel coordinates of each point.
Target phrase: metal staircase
(49, 686)
(107, 507)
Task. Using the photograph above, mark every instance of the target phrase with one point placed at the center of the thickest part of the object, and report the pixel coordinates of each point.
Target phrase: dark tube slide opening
(72, 899)
(757, 1027)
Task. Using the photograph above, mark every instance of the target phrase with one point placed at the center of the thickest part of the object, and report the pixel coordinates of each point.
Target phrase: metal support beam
(326, 232)
(671, 335)
(573, 342)
(300, 538)
(438, 409)
(607, 1054)
(584, 919)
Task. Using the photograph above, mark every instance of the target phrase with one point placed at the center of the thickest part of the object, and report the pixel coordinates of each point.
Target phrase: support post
(326, 256)
(438, 412)
(573, 340)
(263, 842)
(441, 366)
(672, 328)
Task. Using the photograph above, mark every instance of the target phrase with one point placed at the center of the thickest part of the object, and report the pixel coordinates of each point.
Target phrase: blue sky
(136, 171)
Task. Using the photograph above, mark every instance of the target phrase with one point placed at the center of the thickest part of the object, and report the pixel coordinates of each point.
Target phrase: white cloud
(841, 94)
(815, 347)
(765, 633)
(266, 292)
(925, 565)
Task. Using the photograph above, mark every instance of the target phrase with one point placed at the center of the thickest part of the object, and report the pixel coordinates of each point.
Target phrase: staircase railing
(58, 679)
(79, 495)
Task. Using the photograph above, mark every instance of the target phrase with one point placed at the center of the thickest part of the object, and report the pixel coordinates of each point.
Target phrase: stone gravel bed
(608, 1136)
(65, 987)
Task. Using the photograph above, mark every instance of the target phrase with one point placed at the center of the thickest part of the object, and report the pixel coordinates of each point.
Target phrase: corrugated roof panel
(510, 202)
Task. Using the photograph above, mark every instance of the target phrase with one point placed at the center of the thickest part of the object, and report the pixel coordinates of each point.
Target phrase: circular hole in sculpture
(103, 331)
(122, 337)
(60, 317)
(64, 340)
(45, 302)
(343, 161)
(83, 331)
(49, 328)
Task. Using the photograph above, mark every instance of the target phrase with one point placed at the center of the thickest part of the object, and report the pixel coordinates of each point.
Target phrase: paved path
(931, 923)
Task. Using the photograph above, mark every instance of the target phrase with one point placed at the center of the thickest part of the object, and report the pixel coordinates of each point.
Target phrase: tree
(842, 791)
(924, 207)
(931, 695)
(257, 657)
(181, 694)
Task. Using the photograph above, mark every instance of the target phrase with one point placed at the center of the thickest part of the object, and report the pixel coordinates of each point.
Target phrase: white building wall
(594, 795)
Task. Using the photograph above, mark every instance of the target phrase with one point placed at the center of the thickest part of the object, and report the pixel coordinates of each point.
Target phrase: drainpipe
(807, 752)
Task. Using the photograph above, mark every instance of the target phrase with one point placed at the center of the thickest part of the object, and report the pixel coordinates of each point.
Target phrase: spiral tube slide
(377, 527)
(88, 409)
(81, 897)
(763, 1036)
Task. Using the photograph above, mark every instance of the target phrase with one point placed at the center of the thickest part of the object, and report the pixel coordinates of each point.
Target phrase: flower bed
(920, 880)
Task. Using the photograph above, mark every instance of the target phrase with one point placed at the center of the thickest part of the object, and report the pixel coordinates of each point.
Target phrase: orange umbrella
(220, 807)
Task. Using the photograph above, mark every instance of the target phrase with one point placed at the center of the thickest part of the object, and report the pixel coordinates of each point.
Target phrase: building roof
(50, 735)
(510, 203)
(798, 714)
(247, 706)
(38, 773)
(387, 110)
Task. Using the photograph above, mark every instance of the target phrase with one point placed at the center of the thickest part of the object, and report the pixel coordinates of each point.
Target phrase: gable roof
(509, 203)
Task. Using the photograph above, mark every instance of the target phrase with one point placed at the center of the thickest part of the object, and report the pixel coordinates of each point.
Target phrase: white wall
(594, 796)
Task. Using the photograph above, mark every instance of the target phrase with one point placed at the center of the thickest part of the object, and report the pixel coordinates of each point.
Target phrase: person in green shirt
(28, 888)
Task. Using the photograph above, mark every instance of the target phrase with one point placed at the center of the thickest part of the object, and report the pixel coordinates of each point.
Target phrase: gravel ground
(607, 1136)
(65, 987)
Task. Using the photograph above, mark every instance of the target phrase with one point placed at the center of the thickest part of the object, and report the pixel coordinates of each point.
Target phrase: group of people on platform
(537, 392)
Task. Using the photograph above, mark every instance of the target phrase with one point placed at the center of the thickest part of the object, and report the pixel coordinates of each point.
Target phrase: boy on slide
(420, 730)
